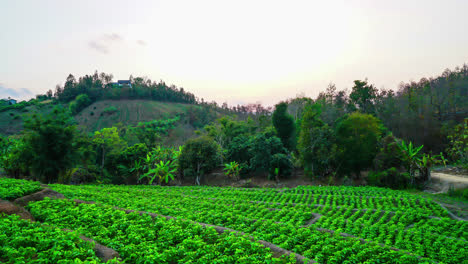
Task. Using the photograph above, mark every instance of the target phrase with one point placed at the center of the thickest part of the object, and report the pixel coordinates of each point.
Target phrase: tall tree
(108, 141)
(50, 138)
(357, 138)
(316, 142)
(363, 95)
(199, 156)
(284, 125)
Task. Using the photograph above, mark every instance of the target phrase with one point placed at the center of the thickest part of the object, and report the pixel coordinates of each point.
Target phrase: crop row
(274, 223)
(142, 239)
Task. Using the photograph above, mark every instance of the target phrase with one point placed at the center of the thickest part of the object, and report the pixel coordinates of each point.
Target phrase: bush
(109, 110)
(262, 148)
(80, 103)
(391, 178)
(458, 146)
(238, 150)
(389, 155)
(281, 163)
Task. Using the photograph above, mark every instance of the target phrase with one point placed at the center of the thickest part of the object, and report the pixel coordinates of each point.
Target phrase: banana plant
(163, 172)
(277, 170)
(410, 154)
(232, 170)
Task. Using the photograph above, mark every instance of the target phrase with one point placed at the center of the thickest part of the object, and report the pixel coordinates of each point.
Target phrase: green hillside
(128, 112)
(11, 121)
(108, 113)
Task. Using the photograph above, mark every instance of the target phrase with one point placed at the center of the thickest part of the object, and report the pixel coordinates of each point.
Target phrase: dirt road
(441, 182)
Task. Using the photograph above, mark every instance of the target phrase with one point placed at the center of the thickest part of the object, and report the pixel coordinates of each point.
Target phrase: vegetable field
(154, 224)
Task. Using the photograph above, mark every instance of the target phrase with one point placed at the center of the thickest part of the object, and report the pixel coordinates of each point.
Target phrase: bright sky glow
(233, 51)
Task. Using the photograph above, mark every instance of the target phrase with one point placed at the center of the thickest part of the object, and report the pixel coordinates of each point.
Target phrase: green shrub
(80, 103)
(282, 164)
(109, 110)
(391, 178)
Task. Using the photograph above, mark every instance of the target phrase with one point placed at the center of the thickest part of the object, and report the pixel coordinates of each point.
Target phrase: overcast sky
(234, 51)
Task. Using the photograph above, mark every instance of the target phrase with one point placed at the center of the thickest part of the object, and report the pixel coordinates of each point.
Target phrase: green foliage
(198, 157)
(389, 155)
(80, 103)
(150, 132)
(11, 189)
(391, 177)
(460, 193)
(142, 239)
(284, 125)
(163, 171)
(391, 219)
(262, 148)
(364, 95)
(238, 150)
(357, 138)
(130, 164)
(415, 160)
(19, 106)
(458, 146)
(108, 142)
(280, 166)
(14, 156)
(49, 142)
(30, 242)
(98, 86)
(232, 170)
(316, 144)
(109, 110)
(410, 158)
(225, 129)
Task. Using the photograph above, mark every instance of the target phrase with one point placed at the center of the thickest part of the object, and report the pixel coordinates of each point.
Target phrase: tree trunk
(103, 159)
(197, 178)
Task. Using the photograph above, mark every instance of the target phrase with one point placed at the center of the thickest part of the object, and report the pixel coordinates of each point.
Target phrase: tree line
(99, 86)
(394, 136)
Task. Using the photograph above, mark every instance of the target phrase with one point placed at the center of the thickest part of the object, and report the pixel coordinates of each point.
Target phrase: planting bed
(154, 224)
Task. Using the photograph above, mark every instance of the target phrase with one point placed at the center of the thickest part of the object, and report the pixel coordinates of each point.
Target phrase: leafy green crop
(376, 221)
(386, 217)
(140, 239)
(22, 241)
(12, 188)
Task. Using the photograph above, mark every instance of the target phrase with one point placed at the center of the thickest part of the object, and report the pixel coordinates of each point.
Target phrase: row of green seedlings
(282, 234)
(143, 239)
(186, 209)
